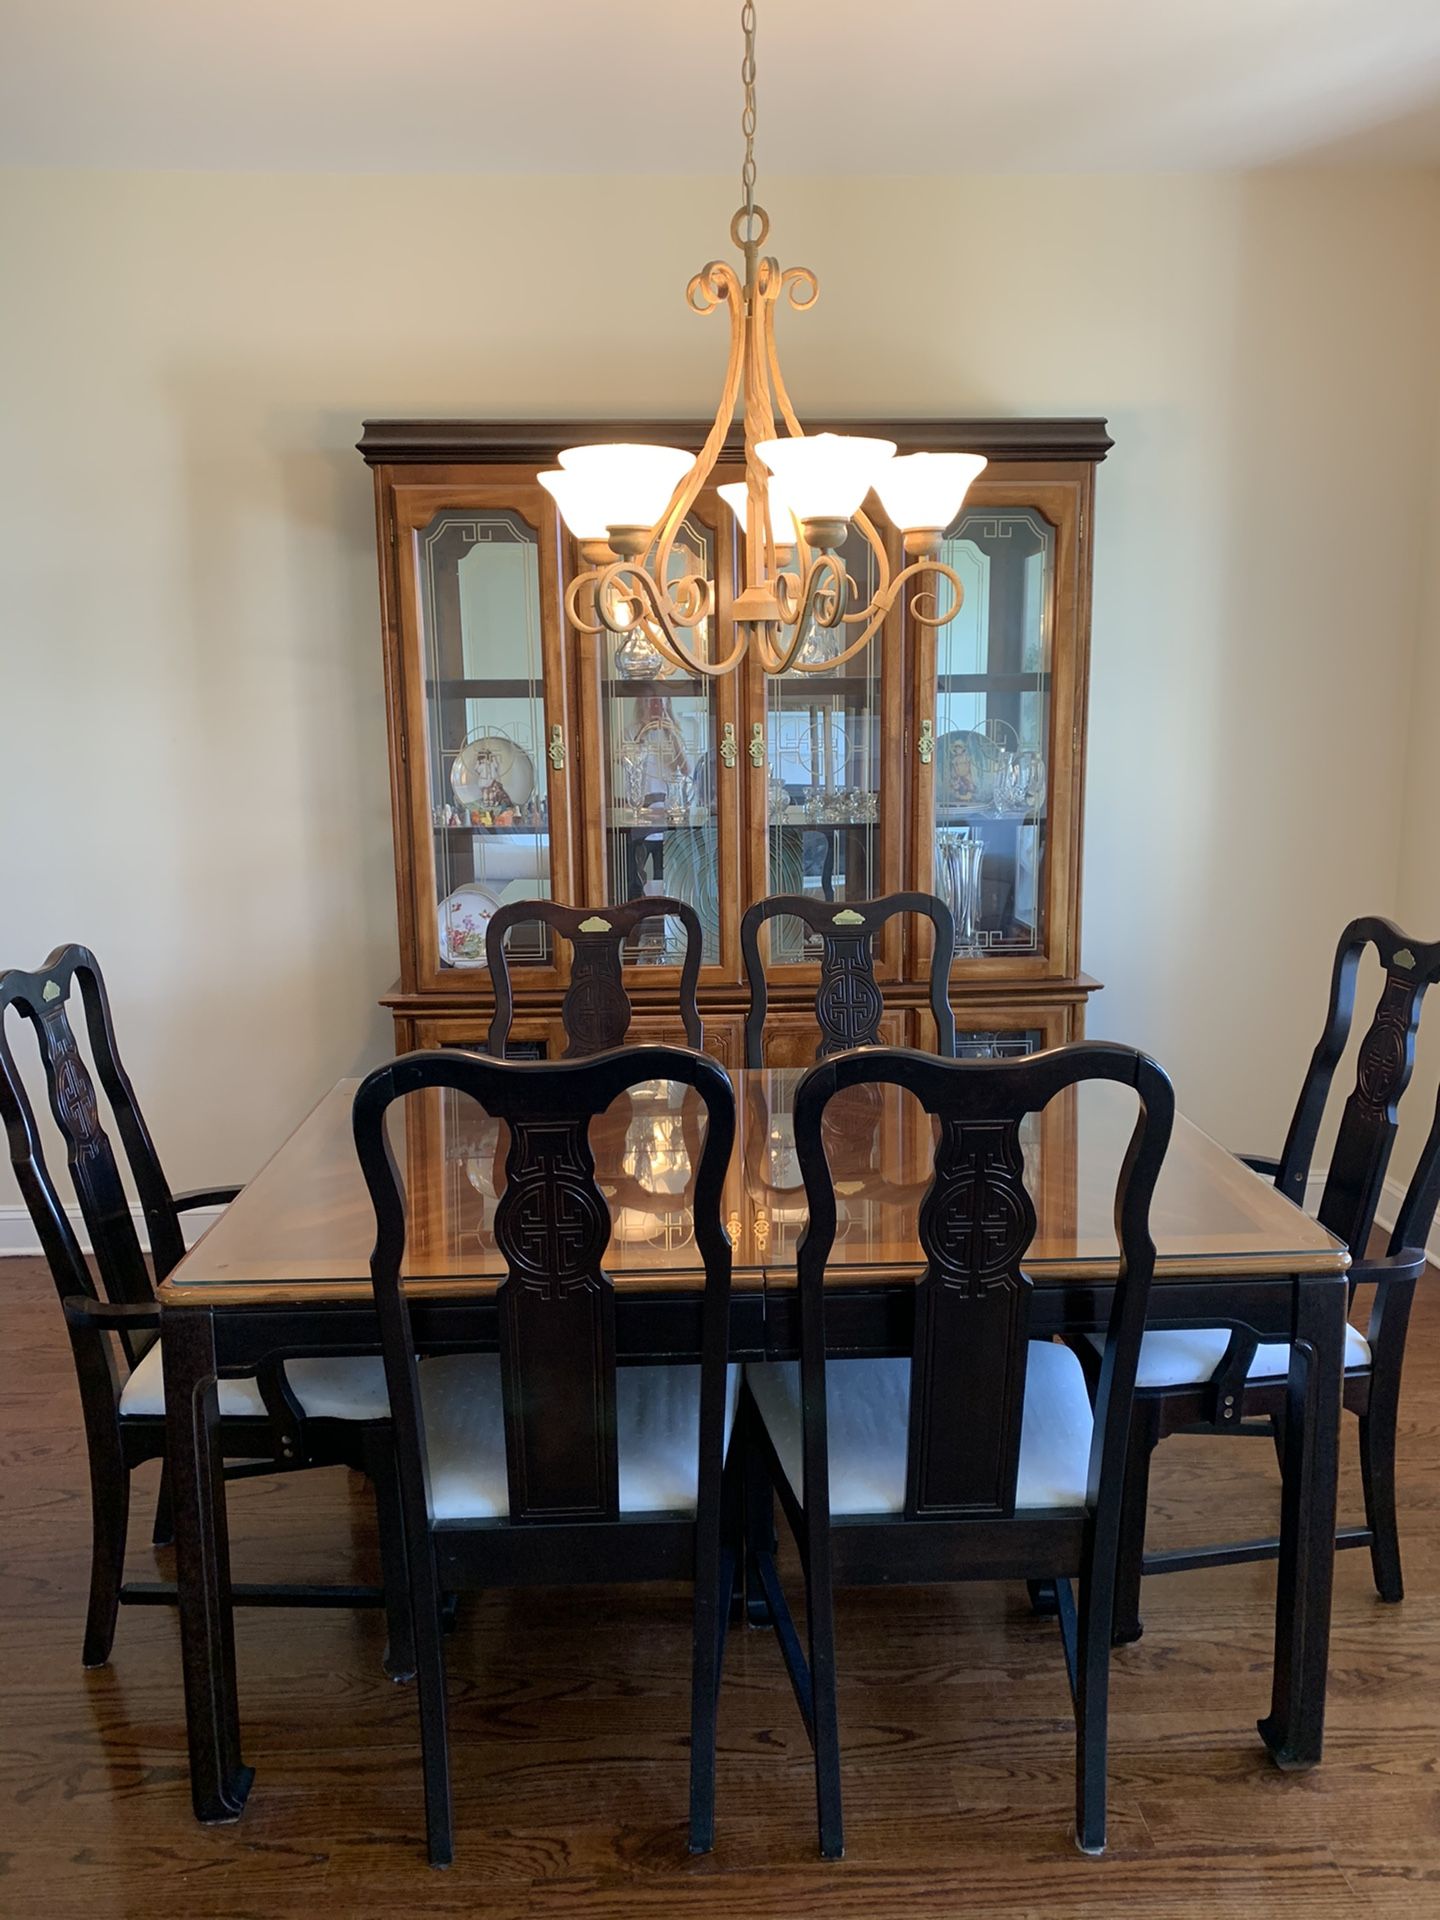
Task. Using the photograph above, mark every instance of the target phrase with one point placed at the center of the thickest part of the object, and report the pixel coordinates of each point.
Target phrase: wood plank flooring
(569, 1716)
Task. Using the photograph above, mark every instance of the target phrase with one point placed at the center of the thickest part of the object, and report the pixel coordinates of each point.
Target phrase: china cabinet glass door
(479, 600)
(990, 765)
(665, 780)
(831, 825)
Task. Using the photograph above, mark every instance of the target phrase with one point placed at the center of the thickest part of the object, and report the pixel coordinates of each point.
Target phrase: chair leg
(1043, 1598)
(825, 1732)
(1092, 1708)
(109, 1523)
(434, 1738)
(1130, 1564)
(760, 1535)
(399, 1657)
(1377, 1473)
(715, 1568)
(162, 1534)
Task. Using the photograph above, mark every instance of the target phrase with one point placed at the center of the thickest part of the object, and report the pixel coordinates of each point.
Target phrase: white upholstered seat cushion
(1188, 1356)
(657, 1412)
(347, 1388)
(868, 1406)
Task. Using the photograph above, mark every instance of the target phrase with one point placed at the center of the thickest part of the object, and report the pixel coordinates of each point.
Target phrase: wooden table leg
(1294, 1729)
(219, 1779)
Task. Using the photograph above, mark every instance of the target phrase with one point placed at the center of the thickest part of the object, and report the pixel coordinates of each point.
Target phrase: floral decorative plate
(463, 918)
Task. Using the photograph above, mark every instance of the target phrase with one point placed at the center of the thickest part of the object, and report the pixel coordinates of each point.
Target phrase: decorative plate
(462, 920)
(490, 763)
(966, 763)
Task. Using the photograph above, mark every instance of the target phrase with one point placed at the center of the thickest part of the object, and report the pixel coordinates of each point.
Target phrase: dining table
(284, 1272)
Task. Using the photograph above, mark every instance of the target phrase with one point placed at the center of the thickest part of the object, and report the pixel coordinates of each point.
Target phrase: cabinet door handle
(557, 746)
(757, 745)
(925, 745)
(728, 749)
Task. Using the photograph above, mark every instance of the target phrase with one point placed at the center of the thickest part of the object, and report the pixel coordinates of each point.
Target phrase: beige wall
(193, 774)
(1418, 898)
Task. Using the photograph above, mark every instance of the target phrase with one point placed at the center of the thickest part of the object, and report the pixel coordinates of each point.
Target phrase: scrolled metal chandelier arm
(923, 609)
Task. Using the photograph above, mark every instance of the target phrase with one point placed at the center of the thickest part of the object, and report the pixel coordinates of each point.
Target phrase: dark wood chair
(596, 1009)
(848, 1002)
(1220, 1380)
(547, 1463)
(977, 1457)
(311, 1412)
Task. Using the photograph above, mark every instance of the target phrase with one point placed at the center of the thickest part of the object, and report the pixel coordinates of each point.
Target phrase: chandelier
(801, 496)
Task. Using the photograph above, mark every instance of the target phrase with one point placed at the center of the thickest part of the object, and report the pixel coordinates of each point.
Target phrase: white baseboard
(18, 1235)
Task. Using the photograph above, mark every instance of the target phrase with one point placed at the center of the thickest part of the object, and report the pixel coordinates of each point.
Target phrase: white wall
(193, 775)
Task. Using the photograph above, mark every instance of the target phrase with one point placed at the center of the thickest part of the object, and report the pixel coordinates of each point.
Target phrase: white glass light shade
(927, 489)
(826, 475)
(782, 523)
(578, 498)
(631, 485)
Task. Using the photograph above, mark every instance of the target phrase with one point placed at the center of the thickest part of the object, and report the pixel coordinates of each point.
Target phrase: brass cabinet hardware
(925, 747)
(557, 746)
(728, 749)
(757, 745)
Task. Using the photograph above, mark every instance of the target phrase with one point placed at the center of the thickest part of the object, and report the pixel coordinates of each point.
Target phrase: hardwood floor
(569, 1717)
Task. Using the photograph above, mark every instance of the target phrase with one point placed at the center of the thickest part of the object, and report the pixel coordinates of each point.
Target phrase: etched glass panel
(823, 741)
(992, 731)
(485, 728)
(661, 831)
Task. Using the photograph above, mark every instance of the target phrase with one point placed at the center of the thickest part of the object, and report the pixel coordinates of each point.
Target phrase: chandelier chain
(747, 116)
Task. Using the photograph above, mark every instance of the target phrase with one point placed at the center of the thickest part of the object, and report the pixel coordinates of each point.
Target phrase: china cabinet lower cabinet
(530, 759)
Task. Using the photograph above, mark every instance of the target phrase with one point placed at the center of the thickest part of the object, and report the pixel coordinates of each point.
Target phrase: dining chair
(303, 1413)
(1221, 1380)
(848, 1001)
(549, 1462)
(596, 1009)
(977, 1456)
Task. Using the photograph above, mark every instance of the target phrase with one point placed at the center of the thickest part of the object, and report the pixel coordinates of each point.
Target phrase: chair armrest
(1407, 1264)
(1259, 1163)
(124, 1317)
(206, 1197)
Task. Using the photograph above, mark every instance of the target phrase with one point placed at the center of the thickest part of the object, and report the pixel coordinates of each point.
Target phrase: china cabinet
(530, 759)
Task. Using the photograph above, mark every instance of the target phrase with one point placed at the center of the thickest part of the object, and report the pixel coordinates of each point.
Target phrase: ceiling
(651, 86)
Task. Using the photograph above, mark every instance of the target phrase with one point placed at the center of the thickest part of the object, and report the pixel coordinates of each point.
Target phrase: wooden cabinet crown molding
(526, 442)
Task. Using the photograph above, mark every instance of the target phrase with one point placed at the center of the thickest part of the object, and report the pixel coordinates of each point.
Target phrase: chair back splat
(1370, 1116)
(848, 1003)
(596, 1010)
